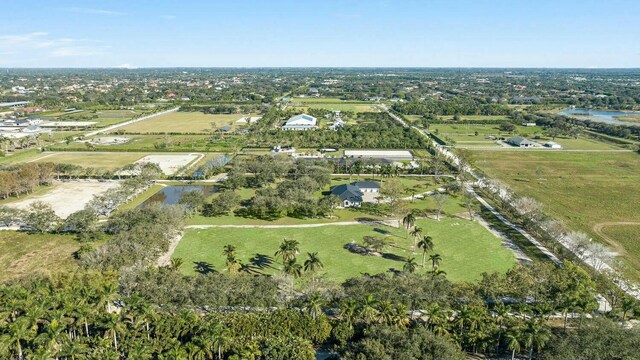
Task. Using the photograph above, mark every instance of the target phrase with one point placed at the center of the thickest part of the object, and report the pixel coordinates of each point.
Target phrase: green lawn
(467, 248)
(25, 254)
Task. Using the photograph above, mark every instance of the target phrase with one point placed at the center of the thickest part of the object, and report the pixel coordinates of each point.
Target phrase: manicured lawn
(25, 254)
(110, 161)
(467, 249)
(183, 122)
(581, 189)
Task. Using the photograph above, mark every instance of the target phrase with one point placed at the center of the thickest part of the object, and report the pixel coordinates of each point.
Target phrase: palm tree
(410, 265)
(291, 267)
(367, 309)
(348, 311)
(513, 343)
(288, 250)
(229, 251)
(19, 331)
(426, 244)
(176, 263)
(416, 233)
(313, 263)
(536, 335)
(314, 304)
(221, 338)
(409, 221)
(435, 261)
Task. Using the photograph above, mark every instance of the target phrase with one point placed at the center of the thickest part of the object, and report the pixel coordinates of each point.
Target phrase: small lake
(170, 195)
(604, 116)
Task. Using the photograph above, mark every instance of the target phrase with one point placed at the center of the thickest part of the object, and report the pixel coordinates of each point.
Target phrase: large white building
(301, 122)
(393, 155)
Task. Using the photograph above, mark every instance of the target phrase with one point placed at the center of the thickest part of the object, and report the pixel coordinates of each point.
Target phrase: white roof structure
(68, 123)
(380, 154)
(301, 122)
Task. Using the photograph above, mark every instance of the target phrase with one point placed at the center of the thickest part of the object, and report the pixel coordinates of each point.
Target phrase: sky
(326, 33)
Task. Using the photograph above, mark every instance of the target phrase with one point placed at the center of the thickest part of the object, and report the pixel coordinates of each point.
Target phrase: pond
(170, 195)
(604, 116)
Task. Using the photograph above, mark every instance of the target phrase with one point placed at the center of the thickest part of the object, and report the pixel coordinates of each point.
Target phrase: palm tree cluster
(83, 317)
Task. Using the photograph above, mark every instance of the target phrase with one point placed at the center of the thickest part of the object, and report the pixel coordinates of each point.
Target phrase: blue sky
(255, 33)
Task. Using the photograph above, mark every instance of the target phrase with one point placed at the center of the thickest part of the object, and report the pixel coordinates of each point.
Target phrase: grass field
(26, 254)
(356, 108)
(628, 236)
(467, 249)
(581, 189)
(465, 135)
(182, 122)
(110, 161)
(154, 143)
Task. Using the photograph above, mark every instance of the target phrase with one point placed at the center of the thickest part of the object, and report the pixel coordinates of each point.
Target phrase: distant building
(248, 119)
(225, 129)
(528, 124)
(552, 145)
(519, 141)
(301, 122)
(337, 124)
(393, 155)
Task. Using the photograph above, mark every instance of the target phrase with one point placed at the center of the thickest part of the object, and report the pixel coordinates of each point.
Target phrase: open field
(110, 161)
(26, 254)
(155, 143)
(183, 122)
(581, 189)
(66, 197)
(478, 135)
(356, 108)
(467, 249)
(170, 164)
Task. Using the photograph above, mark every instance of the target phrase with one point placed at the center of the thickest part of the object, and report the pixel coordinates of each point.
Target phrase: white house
(301, 122)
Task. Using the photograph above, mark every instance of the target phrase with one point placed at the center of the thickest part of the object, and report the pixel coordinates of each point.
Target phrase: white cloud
(41, 44)
(95, 11)
(168, 17)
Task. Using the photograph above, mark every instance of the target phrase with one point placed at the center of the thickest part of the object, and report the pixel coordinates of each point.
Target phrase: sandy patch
(170, 164)
(67, 197)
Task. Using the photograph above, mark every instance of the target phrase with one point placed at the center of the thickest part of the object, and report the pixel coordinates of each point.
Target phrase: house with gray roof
(519, 141)
(354, 194)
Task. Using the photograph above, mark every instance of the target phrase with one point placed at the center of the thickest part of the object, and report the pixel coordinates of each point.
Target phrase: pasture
(108, 161)
(478, 135)
(467, 249)
(25, 254)
(183, 123)
(581, 189)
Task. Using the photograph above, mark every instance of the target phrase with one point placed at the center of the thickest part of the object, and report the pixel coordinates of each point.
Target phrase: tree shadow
(394, 257)
(382, 231)
(262, 261)
(203, 267)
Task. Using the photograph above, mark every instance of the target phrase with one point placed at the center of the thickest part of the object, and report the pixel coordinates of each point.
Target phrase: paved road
(392, 223)
(112, 127)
